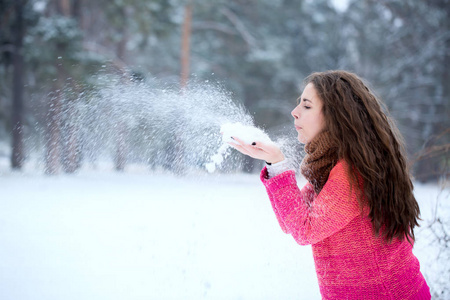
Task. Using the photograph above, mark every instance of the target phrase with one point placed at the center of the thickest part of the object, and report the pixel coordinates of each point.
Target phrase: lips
(297, 127)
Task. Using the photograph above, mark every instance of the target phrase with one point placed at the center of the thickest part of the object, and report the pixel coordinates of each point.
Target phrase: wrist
(275, 160)
(278, 168)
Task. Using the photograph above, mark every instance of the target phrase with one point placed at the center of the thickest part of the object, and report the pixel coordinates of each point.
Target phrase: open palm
(269, 152)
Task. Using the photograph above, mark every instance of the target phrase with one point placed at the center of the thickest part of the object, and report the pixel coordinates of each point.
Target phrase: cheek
(322, 124)
(317, 125)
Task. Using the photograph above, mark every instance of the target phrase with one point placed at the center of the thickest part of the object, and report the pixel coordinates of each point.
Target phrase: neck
(321, 157)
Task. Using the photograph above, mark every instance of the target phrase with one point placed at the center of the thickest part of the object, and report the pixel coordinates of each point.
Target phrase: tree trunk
(433, 168)
(175, 147)
(185, 44)
(71, 154)
(63, 7)
(17, 157)
(77, 8)
(53, 155)
(120, 156)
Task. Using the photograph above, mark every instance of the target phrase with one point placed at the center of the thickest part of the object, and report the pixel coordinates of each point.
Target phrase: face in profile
(309, 120)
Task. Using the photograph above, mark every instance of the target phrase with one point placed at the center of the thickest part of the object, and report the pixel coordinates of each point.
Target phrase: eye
(306, 106)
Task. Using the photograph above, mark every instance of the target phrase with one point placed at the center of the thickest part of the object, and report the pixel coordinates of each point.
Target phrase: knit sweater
(351, 261)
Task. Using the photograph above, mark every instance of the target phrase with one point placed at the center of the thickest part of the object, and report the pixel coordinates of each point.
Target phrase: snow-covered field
(102, 235)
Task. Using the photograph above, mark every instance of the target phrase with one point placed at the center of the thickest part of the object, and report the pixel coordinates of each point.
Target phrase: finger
(233, 144)
(239, 140)
(249, 146)
(254, 151)
(259, 146)
(239, 148)
(267, 147)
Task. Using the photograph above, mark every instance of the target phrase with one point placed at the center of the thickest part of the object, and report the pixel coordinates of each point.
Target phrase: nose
(295, 113)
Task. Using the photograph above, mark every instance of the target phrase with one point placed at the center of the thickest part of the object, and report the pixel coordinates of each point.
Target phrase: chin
(302, 139)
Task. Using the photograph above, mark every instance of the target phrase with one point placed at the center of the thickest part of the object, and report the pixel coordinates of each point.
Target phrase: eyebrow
(299, 100)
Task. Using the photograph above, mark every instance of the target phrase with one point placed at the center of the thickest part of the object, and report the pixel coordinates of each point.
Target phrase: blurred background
(260, 51)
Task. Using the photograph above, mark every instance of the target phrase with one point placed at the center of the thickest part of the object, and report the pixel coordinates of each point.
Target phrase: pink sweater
(351, 262)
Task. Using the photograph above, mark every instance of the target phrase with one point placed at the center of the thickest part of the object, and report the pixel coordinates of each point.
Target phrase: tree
(185, 44)
(258, 50)
(17, 156)
(407, 67)
(54, 114)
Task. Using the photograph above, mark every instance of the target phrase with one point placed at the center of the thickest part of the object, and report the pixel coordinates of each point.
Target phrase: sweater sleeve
(264, 176)
(308, 217)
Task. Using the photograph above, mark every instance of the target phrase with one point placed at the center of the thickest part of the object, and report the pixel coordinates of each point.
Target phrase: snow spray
(157, 125)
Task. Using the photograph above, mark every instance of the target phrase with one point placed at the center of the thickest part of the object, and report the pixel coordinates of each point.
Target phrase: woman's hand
(269, 152)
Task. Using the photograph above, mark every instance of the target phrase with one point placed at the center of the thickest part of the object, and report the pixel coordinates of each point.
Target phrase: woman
(357, 210)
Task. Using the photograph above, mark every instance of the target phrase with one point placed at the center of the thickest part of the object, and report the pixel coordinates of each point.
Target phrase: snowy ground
(101, 235)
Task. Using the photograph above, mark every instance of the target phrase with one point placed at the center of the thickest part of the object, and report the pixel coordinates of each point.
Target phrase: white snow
(143, 236)
(246, 133)
(218, 158)
(100, 235)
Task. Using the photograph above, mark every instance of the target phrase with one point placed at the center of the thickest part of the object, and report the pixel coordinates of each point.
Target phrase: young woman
(357, 210)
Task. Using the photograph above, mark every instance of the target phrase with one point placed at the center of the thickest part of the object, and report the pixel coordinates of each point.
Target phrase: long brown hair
(371, 144)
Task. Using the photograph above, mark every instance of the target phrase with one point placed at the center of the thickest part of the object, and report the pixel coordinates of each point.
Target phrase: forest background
(260, 51)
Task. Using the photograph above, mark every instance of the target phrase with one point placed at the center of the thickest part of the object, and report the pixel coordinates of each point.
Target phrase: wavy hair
(369, 141)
